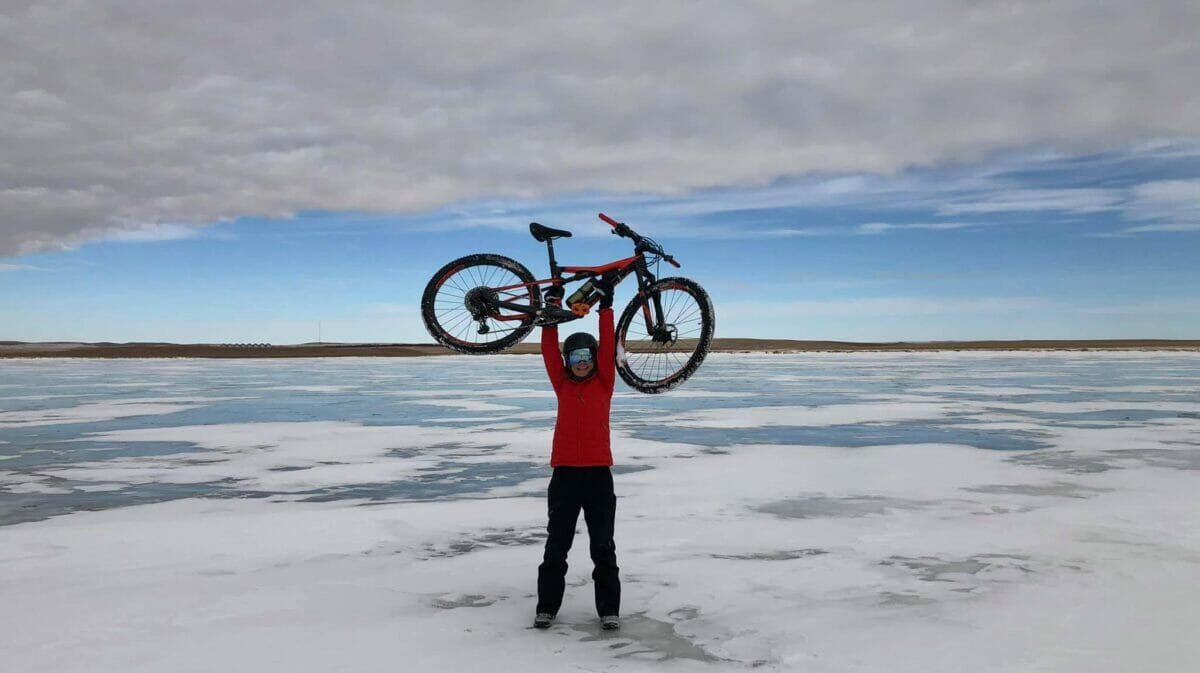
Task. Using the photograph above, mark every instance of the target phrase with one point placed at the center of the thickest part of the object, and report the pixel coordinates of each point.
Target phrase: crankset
(553, 315)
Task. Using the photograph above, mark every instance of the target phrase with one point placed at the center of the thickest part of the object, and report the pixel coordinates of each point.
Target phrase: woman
(581, 458)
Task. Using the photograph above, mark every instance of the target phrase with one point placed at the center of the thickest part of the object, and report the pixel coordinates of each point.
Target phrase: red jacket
(581, 435)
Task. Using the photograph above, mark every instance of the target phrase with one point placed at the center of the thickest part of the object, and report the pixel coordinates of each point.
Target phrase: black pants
(572, 489)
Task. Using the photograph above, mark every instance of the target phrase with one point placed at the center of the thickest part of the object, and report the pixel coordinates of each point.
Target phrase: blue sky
(932, 169)
(1014, 246)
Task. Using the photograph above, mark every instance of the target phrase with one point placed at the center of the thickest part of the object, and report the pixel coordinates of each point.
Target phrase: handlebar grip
(672, 262)
(610, 220)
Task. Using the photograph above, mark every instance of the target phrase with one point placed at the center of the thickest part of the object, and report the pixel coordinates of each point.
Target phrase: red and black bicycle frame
(613, 272)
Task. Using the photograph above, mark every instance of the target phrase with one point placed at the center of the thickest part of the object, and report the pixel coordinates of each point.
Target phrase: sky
(288, 172)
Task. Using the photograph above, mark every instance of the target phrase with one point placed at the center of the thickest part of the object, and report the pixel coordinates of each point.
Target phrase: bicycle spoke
(462, 304)
(452, 313)
(652, 360)
(463, 322)
(456, 323)
(667, 311)
(688, 316)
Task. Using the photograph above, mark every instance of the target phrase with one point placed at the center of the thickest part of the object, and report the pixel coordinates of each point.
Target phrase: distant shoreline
(14, 349)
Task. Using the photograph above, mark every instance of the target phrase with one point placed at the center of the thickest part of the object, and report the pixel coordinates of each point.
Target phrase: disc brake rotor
(667, 334)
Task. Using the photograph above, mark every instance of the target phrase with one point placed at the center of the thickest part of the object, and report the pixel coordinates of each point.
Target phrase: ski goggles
(578, 356)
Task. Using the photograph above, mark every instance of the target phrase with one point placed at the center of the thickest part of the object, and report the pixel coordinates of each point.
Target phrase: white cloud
(1167, 206)
(738, 231)
(148, 233)
(188, 113)
(791, 232)
(735, 231)
(1019, 200)
(1169, 226)
(4, 267)
(870, 228)
(884, 306)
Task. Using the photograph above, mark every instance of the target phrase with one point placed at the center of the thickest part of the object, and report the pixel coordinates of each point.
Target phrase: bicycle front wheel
(664, 335)
(459, 305)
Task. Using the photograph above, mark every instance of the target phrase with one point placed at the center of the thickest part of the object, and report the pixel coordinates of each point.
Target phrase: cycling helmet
(580, 340)
(575, 342)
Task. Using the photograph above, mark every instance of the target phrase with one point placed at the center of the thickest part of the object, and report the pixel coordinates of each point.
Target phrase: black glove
(605, 288)
(554, 295)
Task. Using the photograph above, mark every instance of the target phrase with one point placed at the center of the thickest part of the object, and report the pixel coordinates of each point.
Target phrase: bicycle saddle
(543, 233)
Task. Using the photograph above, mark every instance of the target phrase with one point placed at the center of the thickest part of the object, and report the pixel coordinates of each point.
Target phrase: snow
(779, 556)
(833, 414)
(88, 412)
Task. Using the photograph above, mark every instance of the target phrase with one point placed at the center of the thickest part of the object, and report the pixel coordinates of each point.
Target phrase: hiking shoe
(610, 622)
(542, 620)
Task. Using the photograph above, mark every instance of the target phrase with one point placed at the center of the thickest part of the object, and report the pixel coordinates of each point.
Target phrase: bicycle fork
(656, 325)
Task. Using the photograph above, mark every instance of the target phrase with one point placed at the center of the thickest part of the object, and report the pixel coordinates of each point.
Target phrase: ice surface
(833, 414)
(826, 512)
(88, 412)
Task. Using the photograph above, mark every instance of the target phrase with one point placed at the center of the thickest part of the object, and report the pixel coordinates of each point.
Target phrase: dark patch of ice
(781, 555)
(49, 454)
(850, 435)
(1059, 489)
(1067, 461)
(647, 639)
(1115, 417)
(890, 599)
(685, 613)
(463, 601)
(934, 569)
(1110, 459)
(812, 507)
(444, 480)
(504, 537)
(26, 507)
(1180, 459)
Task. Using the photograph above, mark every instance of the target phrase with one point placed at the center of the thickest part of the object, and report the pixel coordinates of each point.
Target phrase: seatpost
(553, 264)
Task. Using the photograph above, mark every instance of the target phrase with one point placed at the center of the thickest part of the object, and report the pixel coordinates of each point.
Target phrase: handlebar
(623, 230)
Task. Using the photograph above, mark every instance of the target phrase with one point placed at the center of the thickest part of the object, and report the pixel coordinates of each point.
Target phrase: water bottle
(582, 294)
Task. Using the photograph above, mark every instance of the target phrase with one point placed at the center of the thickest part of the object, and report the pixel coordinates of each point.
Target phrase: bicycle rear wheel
(664, 335)
(459, 304)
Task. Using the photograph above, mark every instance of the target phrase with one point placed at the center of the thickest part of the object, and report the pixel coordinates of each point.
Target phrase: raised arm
(552, 356)
(606, 359)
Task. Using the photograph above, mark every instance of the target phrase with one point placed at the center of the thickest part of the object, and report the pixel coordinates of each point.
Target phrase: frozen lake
(818, 512)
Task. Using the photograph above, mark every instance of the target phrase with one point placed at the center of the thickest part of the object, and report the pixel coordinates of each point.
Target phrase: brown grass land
(16, 349)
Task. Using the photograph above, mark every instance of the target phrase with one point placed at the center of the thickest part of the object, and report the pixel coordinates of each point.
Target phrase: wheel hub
(481, 302)
(666, 334)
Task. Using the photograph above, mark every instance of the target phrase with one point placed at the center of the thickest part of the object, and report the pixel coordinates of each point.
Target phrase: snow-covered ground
(824, 512)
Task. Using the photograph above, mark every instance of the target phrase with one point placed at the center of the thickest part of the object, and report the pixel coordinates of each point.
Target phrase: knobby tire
(652, 367)
(450, 322)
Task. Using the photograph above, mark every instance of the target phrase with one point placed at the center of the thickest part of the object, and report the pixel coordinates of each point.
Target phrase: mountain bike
(485, 303)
